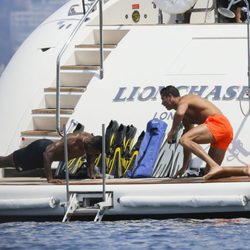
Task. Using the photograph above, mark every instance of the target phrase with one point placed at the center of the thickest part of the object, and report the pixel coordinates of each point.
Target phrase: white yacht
(107, 61)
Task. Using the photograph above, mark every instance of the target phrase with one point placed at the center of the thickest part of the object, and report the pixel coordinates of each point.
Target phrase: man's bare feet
(214, 173)
(56, 181)
(247, 170)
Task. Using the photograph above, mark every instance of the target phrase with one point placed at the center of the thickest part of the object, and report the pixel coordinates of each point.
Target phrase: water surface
(130, 234)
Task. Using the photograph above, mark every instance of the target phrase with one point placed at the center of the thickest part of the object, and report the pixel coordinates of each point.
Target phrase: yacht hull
(34, 199)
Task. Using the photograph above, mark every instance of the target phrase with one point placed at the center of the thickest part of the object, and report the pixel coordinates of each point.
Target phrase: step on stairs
(87, 57)
(86, 204)
(69, 97)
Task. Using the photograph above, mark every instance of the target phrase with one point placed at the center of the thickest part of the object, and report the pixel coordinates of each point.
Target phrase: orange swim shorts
(221, 129)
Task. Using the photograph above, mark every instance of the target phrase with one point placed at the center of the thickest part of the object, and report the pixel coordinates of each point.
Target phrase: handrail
(84, 18)
(103, 163)
(66, 160)
(204, 9)
(213, 7)
(83, 7)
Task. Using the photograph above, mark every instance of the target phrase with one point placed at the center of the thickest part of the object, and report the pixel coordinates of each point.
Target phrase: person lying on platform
(203, 123)
(41, 153)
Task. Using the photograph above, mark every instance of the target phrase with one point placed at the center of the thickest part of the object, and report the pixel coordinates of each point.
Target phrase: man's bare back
(78, 144)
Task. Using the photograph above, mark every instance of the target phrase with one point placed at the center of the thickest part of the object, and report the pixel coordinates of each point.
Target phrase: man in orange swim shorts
(221, 129)
(204, 123)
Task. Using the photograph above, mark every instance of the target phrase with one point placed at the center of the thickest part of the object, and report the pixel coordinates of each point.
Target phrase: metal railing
(66, 160)
(213, 6)
(207, 9)
(103, 163)
(100, 213)
(83, 7)
(59, 57)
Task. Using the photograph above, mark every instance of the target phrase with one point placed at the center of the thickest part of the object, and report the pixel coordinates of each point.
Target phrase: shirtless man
(212, 127)
(41, 153)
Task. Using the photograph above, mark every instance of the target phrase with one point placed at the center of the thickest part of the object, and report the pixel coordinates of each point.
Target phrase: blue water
(141, 234)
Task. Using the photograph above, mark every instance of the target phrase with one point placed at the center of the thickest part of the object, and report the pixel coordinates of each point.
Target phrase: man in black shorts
(41, 153)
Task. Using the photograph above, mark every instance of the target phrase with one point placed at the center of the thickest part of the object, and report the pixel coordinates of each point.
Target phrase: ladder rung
(93, 46)
(84, 211)
(80, 67)
(40, 133)
(52, 111)
(66, 89)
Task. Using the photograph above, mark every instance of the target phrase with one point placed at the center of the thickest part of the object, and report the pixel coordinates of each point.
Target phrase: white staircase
(75, 75)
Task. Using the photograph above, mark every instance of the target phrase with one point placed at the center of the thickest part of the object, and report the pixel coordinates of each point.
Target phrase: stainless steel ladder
(82, 202)
(88, 203)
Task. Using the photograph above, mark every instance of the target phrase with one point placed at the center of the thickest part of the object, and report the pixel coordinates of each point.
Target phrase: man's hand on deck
(170, 138)
(180, 173)
(56, 181)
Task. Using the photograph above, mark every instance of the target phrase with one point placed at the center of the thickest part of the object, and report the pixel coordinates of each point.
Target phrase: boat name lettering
(152, 93)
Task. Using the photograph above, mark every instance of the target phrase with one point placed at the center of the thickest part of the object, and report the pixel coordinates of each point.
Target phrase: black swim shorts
(31, 157)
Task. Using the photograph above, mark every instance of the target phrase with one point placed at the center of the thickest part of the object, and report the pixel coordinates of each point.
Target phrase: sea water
(130, 234)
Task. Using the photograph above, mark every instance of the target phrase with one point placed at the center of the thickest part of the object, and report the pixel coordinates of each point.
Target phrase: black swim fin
(128, 143)
(109, 141)
(74, 126)
(132, 156)
(115, 163)
(76, 164)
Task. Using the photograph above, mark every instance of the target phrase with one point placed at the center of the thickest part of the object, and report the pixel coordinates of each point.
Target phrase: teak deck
(122, 181)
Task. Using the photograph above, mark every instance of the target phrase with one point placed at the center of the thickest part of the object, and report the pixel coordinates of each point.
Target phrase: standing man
(204, 123)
